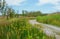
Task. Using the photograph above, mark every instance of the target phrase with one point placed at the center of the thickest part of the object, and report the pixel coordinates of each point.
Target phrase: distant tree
(34, 13)
(23, 12)
(17, 14)
(10, 13)
(31, 14)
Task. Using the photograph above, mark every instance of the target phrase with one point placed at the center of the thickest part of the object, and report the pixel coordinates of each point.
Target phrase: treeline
(32, 13)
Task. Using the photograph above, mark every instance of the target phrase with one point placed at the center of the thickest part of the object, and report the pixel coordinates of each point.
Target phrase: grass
(53, 19)
(17, 28)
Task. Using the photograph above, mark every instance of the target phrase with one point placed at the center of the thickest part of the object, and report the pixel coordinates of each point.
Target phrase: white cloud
(56, 3)
(14, 2)
(57, 7)
(42, 2)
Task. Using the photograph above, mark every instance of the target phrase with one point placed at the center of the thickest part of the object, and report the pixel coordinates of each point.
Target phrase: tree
(10, 13)
(2, 5)
(23, 12)
(33, 13)
(6, 10)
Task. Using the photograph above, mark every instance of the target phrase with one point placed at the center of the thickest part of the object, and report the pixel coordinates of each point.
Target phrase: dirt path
(48, 29)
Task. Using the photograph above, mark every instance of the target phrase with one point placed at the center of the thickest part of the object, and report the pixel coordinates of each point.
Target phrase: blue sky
(45, 6)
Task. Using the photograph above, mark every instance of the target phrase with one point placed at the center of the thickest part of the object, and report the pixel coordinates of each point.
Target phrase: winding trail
(49, 30)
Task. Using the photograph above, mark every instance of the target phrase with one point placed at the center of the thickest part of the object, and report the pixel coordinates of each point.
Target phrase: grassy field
(53, 19)
(17, 28)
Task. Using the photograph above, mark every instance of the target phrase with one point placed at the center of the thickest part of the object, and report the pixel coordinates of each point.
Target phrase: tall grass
(50, 19)
(20, 29)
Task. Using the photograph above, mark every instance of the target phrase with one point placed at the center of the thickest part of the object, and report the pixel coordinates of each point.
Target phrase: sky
(45, 6)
